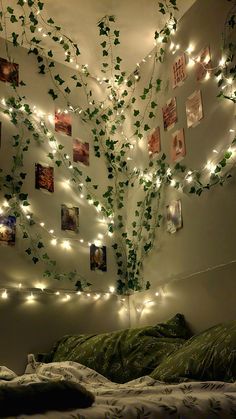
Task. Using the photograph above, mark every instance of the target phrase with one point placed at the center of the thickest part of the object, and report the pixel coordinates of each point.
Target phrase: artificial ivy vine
(107, 120)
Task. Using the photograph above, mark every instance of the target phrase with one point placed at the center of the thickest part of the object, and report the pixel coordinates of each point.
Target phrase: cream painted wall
(207, 238)
(209, 227)
(46, 206)
(33, 327)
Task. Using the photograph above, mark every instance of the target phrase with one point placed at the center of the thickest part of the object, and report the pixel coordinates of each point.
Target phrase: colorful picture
(9, 72)
(80, 152)
(169, 112)
(194, 109)
(203, 63)
(98, 258)
(8, 230)
(44, 177)
(63, 123)
(178, 149)
(154, 142)
(174, 216)
(69, 218)
(179, 71)
(0, 133)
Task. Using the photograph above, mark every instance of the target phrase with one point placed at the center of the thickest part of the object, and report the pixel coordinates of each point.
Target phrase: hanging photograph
(63, 123)
(178, 149)
(154, 142)
(203, 64)
(169, 112)
(194, 110)
(179, 71)
(174, 216)
(8, 230)
(98, 258)
(80, 152)
(9, 72)
(69, 218)
(44, 177)
(0, 133)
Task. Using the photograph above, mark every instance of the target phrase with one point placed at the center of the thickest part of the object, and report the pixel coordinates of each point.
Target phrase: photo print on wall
(179, 71)
(174, 216)
(169, 112)
(154, 142)
(203, 63)
(8, 230)
(63, 123)
(194, 109)
(80, 152)
(44, 177)
(178, 148)
(98, 258)
(9, 72)
(69, 218)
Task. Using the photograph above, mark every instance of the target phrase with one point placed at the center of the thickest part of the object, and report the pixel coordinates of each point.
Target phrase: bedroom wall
(207, 238)
(29, 327)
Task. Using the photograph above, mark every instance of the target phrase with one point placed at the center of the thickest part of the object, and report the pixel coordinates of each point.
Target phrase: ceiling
(137, 21)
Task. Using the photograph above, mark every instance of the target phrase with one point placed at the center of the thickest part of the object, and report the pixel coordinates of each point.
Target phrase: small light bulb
(112, 289)
(4, 295)
(66, 245)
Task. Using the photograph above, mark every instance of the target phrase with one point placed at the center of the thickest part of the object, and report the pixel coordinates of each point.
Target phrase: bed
(142, 398)
(151, 372)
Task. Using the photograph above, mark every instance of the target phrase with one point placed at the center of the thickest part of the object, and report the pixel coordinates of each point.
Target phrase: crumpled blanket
(143, 398)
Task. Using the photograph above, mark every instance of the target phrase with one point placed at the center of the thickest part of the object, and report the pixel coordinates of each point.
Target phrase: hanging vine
(107, 119)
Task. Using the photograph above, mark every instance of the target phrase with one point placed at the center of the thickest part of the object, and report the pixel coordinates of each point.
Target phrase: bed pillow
(123, 355)
(211, 355)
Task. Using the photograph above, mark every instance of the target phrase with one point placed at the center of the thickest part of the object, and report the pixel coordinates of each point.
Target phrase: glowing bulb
(66, 245)
(30, 298)
(173, 182)
(42, 224)
(41, 286)
(211, 167)
(110, 234)
(4, 295)
(51, 231)
(190, 49)
(222, 62)
(57, 293)
(78, 293)
(54, 242)
(157, 294)
(100, 236)
(90, 201)
(112, 289)
(1, 211)
(88, 295)
(81, 240)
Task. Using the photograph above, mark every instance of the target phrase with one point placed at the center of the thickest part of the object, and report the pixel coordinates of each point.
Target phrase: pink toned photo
(80, 152)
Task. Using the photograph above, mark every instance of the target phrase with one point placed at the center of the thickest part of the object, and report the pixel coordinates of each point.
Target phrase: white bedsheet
(144, 398)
